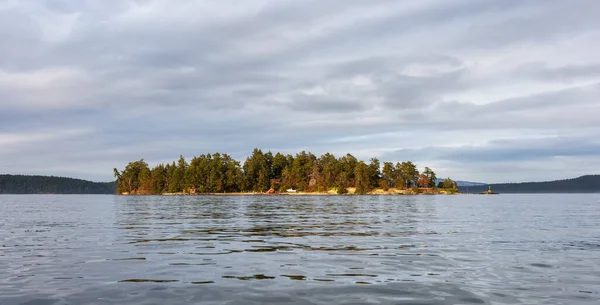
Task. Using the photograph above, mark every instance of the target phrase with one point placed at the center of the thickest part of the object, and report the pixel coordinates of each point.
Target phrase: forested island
(583, 184)
(278, 173)
(22, 184)
(264, 172)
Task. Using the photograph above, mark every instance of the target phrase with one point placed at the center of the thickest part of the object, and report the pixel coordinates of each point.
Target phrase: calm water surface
(506, 249)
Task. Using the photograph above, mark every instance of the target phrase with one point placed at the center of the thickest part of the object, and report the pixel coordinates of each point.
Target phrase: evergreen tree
(430, 174)
(409, 173)
(300, 170)
(180, 174)
(145, 184)
(362, 174)
(234, 178)
(257, 172)
(328, 166)
(130, 180)
(278, 164)
(448, 183)
(159, 179)
(389, 174)
(400, 180)
(346, 166)
(374, 173)
(173, 179)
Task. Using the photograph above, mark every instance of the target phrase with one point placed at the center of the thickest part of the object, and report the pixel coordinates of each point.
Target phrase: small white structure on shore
(291, 190)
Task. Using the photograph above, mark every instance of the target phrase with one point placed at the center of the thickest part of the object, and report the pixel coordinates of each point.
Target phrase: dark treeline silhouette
(220, 173)
(20, 184)
(583, 184)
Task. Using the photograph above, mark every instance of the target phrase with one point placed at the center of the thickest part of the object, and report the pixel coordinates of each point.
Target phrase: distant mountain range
(462, 183)
(21, 184)
(583, 184)
(467, 183)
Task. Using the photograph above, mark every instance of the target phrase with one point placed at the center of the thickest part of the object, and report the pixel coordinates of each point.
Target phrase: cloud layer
(478, 89)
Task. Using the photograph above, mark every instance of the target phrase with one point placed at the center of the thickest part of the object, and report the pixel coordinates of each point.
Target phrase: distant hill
(467, 183)
(583, 184)
(20, 184)
(462, 183)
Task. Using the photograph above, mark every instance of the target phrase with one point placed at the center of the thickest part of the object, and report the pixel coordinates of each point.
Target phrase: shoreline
(376, 192)
(295, 194)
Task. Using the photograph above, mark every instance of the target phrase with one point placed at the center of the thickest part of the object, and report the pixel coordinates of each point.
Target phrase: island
(582, 184)
(36, 184)
(268, 173)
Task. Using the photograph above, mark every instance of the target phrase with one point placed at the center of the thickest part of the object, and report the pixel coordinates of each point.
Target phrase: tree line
(22, 184)
(220, 173)
(583, 184)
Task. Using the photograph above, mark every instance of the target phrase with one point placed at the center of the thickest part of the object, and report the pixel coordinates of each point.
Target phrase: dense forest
(20, 184)
(583, 184)
(219, 173)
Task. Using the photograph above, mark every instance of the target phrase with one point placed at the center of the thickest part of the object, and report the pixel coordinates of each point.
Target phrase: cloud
(510, 150)
(445, 83)
(563, 74)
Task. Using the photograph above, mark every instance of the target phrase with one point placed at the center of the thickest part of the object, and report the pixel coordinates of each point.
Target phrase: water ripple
(506, 249)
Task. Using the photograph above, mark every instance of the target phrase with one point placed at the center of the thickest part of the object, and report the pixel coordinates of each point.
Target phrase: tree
(118, 180)
(329, 171)
(159, 179)
(217, 174)
(234, 178)
(388, 173)
(374, 172)
(362, 176)
(130, 180)
(300, 170)
(145, 181)
(345, 169)
(279, 163)
(170, 173)
(176, 176)
(340, 189)
(448, 183)
(197, 174)
(180, 174)
(257, 172)
(400, 180)
(116, 173)
(316, 178)
(269, 160)
(423, 181)
(409, 173)
(431, 176)
(384, 184)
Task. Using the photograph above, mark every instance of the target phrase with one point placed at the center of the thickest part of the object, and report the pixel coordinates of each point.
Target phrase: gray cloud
(513, 150)
(86, 86)
(568, 74)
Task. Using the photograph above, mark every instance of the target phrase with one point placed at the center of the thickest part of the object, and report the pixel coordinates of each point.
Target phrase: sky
(478, 90)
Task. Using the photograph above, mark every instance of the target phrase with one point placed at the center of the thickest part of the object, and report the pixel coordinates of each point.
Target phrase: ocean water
(467, 249)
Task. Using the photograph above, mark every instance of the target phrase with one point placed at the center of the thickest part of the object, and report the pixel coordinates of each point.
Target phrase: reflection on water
(509, 249)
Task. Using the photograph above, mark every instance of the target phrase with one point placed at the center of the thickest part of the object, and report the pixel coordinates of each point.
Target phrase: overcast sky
(479, 90)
